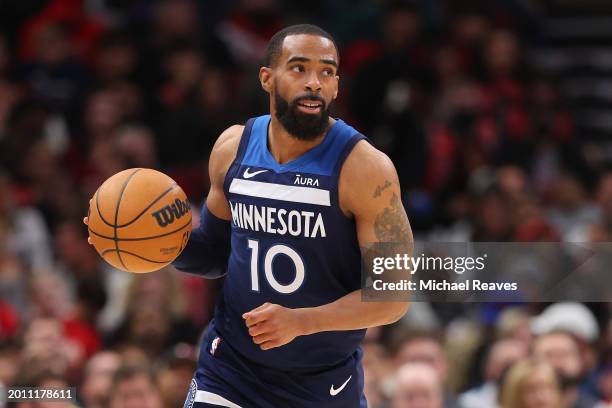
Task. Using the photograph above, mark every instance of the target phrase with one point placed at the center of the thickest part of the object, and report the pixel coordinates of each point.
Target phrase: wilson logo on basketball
(172, 212)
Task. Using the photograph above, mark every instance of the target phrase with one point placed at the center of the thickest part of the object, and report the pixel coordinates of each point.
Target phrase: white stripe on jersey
(210, 398)
(296, 194)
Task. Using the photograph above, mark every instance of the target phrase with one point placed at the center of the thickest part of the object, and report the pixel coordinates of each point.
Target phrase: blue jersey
(291, 244)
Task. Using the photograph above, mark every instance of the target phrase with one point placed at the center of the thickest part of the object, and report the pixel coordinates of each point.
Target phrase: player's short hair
(275, 45)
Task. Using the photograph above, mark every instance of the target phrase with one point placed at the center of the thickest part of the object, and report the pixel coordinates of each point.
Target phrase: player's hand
(86, 222)
(273, 325)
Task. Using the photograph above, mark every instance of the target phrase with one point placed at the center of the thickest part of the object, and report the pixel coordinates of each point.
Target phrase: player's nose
(313, 84)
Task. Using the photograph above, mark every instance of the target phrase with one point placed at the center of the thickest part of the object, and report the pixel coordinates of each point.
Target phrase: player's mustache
(310, 97)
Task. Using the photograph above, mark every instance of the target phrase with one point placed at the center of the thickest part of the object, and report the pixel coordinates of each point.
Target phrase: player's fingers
(270, 344)
(258, 329)
(254, 318)
(259, 308)
(86, 222)
(262, 338)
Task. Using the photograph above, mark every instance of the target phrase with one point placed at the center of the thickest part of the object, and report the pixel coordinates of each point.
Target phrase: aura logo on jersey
(306, 181)
(170, 213)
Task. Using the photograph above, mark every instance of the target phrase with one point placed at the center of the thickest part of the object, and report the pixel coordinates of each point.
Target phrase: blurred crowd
(486, 150)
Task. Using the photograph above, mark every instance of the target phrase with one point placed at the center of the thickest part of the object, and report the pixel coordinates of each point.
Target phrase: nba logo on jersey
(214, 345)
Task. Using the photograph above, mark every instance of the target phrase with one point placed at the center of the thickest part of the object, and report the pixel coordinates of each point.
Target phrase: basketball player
(293, 196)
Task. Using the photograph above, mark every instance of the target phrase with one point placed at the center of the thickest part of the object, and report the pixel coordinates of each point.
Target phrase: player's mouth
(310, 106)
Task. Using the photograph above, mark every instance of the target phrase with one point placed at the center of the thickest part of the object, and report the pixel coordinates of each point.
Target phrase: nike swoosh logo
(248, 175)
(335, 392)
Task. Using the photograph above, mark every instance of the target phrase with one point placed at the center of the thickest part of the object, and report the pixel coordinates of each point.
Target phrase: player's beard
(304, 126)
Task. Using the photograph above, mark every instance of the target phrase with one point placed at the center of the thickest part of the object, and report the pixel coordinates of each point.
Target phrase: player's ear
(336, 91)
(265, 78)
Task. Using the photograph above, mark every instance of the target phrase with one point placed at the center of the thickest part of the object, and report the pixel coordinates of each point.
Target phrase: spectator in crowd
(97, 379)
(386, 109)
(378, 374)
(561, 351)
(470, 26)
(600, 231)
(425, 348)
(603, 375)
(135, 387)
(175, 373)
(25, 233)
(501, 356)
(492, 224)
(604, 385)
(133, 354)
(514, 323)
(44, 379)
(155, 315)
(45, 348)
(94, 156)
(197, 106)
(575, 319)
(530, 384)
(136, 144)
(161, 289)
(52, 296)
(10, 355)
(116, 58)
(571, 208)
(13, 284)
(75, 256)
(418, 385)
(147, 327)
(54, 74)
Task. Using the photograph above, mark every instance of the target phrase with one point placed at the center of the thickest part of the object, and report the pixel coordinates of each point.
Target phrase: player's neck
(285, 147)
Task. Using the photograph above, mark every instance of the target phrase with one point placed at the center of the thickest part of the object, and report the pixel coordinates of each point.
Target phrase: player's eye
(297, 68)
(328, 72)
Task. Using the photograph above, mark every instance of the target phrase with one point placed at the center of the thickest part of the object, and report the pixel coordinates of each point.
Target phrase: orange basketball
(139, 220)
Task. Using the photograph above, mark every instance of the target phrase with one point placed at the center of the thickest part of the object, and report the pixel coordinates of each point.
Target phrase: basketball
(139, 220)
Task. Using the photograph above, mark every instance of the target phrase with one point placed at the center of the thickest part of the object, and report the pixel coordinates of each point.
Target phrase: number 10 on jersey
(271, 253)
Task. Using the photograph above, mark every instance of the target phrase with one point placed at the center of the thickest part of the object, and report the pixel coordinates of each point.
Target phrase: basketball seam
(98, 208)
(144, 238)
(149, 206)
(136, 255)
(125, 183)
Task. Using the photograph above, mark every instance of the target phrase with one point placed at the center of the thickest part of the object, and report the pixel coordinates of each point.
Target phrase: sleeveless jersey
(291, 244)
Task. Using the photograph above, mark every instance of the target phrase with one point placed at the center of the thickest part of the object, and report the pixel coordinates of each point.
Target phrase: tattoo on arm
(394, 237)
(380, 189)
(391, 225)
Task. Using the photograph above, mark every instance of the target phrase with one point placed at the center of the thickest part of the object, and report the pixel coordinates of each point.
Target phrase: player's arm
(208, 248)
(370, 192)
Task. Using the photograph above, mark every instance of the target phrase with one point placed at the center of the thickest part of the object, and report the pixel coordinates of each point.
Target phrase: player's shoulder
(227, 143)
(365, 162)
(224, 152)
(365, 171)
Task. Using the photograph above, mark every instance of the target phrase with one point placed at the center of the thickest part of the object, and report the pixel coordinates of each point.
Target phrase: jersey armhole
(244, 142)
(348, 148)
